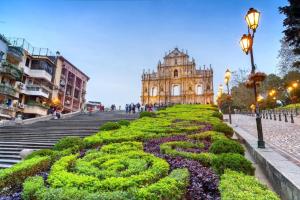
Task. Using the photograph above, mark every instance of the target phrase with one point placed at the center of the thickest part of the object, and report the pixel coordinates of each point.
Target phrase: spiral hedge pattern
(118, 170)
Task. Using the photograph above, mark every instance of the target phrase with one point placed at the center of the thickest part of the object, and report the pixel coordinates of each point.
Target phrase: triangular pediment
(175, 53)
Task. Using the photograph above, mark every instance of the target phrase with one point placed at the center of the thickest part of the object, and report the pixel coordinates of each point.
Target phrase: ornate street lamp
(252, 18)
(246, 42)
(227, 79)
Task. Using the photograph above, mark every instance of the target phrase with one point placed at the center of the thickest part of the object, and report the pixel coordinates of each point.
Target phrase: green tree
(288, 80)
(292, 27)
(286, 57)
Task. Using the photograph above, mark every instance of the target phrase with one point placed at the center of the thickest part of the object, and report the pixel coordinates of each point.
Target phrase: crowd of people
(130, 108)
(133, 108)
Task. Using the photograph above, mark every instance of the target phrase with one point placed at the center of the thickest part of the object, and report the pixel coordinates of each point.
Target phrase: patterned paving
(283, 136)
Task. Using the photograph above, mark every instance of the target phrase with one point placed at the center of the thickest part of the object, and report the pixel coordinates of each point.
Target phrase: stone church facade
(177, 81)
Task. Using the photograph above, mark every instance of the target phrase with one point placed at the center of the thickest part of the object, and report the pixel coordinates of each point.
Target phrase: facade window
(208, 87)
(175, 73)
(176, 90)
(161, 89)
(153, 91)
(199, 89)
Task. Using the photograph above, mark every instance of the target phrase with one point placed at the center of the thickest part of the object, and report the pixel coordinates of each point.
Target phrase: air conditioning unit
(62, 83)
(21, 86)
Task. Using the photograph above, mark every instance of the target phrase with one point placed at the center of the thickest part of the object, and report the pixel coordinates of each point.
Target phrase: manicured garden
(182, 152)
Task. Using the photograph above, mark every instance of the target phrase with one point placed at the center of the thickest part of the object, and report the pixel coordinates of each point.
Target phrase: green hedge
(170, 149)
(14, 176)
(110, 126)
(171, 187)
(40, 153)
(238, 186)
(232, 161)
(147, 114)
(32, 186)
(226, 146)
(223, 128)
(74, 142)
(99, 171)
(124, 122)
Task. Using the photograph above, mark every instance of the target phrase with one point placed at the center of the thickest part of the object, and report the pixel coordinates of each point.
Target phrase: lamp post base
(261, 144)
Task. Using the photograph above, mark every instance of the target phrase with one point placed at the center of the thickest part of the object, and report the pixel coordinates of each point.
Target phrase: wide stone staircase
(45, 134)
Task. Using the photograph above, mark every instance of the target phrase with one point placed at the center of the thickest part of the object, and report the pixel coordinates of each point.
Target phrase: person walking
(126, 108)
(138, 105)
(129, 108)
(133, 108)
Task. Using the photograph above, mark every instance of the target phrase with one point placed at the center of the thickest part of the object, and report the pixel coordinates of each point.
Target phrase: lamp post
(220, 92)
(246, 42)
(227, 79)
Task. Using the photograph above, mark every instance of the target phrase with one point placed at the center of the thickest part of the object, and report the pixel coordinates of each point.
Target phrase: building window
(1, 55)
(176, 90)
(153, 91)
(42, 65)
(175, 73)
(27, 62)
(199, 89)
(76, 94)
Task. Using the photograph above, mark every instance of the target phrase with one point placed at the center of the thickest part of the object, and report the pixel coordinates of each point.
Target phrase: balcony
(15, 52)
(11, 70)
(38, 73)
(35, 108)
(7, 112)
(35, 90)
(8, 90)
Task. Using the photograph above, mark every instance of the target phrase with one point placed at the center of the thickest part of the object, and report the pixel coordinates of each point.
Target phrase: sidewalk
(282, 136)
(282, 174)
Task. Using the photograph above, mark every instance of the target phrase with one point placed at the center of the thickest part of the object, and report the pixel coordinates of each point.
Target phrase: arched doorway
(176, 90)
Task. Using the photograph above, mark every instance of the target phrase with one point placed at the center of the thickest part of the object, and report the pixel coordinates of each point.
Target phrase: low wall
(282, 173)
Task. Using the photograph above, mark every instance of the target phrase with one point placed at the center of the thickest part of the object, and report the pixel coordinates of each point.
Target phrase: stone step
(17, 157)
(25, 143)
(3, 166)
(9, 152)
(9, 161)
(37, 129)
(16, 148)
(25, 146)
(12, 140)
(45, 135)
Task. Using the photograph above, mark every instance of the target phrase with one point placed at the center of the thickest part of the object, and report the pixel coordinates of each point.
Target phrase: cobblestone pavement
(285, 137)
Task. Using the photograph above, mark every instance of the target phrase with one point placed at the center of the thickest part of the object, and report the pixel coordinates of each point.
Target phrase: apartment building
(10, 75)
(38, 85)
(71, 83)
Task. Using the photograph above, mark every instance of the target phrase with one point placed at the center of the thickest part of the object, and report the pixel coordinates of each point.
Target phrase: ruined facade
(177, 81)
